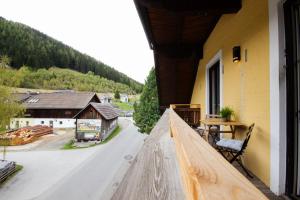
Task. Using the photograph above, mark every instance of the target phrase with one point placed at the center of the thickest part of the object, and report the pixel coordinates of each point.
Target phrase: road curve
(95, 177)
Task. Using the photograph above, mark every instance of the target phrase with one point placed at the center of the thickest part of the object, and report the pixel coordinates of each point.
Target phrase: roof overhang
(176, 31)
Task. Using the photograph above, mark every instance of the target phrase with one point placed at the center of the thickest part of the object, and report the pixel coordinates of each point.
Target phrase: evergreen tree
(146, 112)
(4, 61)
(117, 94)
(9, 108)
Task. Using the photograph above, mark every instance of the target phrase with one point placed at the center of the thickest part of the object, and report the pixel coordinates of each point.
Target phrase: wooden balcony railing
(183, 166)
(206, 174)
(190, 113)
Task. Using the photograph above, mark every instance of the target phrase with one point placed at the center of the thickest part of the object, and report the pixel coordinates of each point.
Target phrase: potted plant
(226, 113)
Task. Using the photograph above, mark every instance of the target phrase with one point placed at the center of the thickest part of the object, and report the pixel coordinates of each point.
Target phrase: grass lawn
(123, 106)
(18, 168)
(70, 144)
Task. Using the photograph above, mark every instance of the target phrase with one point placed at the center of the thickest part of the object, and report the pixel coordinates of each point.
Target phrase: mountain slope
(59, 79)
(27, 46)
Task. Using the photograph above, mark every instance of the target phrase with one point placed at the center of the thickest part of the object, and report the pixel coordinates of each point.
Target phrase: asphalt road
(84, 174)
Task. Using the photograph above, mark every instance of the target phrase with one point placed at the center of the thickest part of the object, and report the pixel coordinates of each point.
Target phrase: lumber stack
(24, 135)
(6, 169)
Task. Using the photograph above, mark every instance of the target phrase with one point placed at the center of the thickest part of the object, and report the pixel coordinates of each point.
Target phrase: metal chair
(214, 135)
(201, 130)
(235, 148)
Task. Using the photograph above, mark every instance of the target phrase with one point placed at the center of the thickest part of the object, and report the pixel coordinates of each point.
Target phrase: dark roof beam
(180, 51)
(223, 6)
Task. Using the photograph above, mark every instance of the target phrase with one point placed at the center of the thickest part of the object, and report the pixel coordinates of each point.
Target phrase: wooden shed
(96, 122)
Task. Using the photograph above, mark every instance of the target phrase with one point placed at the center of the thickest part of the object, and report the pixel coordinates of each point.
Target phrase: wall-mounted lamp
(236, 54)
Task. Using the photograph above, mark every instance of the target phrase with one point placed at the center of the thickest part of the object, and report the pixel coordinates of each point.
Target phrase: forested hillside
(59, 79)
(27, 46)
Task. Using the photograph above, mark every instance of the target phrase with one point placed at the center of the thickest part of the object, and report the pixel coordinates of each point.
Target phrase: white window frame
(217, 57)
(277, 97)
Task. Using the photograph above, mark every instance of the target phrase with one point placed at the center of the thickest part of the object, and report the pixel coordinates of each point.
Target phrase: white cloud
(108, 30)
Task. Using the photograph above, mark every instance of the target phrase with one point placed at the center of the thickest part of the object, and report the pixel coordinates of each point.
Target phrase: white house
(124, 98)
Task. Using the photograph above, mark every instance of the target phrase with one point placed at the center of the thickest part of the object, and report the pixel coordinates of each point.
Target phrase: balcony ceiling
(176, 31)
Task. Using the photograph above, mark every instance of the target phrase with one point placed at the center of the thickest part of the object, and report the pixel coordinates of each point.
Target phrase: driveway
(83, 174)
(58, 139)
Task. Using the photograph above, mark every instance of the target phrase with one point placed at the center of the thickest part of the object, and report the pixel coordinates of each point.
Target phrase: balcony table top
(218, 122)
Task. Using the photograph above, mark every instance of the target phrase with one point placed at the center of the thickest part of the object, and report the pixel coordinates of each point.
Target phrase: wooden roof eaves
(192, 6)
(142, 12)
(180, 50)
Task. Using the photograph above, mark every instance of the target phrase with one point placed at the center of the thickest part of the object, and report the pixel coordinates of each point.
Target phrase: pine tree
(4, 61)
(117, 94)
(147, 110)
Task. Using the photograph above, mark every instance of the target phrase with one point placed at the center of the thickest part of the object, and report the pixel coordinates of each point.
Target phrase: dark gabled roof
(176, 31)
(104, 109)
(59, 100)
(20, 97)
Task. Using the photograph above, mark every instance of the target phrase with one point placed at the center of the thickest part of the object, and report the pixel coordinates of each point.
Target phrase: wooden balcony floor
(259, 184)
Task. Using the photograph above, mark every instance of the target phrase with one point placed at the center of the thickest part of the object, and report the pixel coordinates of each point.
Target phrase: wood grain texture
(154, 174)
(205, 173)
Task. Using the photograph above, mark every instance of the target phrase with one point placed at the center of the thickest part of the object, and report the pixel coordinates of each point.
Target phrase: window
(33, 100)
(42, 122)
(27, 123)
(60, 122)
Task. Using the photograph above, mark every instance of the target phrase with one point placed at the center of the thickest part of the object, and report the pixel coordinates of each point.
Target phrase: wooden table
(217, 122)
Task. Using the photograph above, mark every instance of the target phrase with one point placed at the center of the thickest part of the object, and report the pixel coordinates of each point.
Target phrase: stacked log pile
(6, 169)
(24, 135)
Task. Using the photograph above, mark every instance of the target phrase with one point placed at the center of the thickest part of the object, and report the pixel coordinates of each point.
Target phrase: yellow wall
(245, 84)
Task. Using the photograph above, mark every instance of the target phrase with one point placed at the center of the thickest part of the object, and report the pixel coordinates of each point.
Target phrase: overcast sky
(108, 30)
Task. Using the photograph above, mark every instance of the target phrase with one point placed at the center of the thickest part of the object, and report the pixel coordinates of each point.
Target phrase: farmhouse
(96, 121)
(105, 99)
(52, 109)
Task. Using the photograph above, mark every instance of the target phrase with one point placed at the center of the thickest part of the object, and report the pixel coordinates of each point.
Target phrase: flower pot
(226, 119)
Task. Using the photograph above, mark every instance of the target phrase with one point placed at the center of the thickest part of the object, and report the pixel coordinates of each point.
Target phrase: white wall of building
(105, 100)
(57, 122)
(124, 98)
